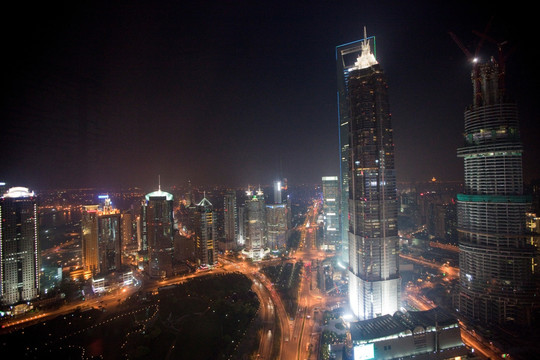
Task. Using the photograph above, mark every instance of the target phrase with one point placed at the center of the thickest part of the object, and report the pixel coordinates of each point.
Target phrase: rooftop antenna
(159, 182)
(365, 35)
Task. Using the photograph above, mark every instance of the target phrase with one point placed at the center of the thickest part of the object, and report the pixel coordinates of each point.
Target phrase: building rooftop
(400, 322)
(18, 192)
(159, 193)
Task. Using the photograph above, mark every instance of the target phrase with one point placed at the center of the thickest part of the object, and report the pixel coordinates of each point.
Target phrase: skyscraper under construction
(496, 283)
(374, 280)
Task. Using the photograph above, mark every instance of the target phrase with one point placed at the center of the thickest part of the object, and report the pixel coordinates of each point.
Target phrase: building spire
(366, 59)
(159, 182)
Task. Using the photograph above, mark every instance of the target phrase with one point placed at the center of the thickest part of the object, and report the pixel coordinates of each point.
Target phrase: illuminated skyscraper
(374, 280)
(19, 246)
(205, 234)
(230, 219)
(277, 192)
(495, 260)
(89, 238)
(332, 230)
(157, 232)
(346, 56)
(129, 240)
(101, 238)
(255, 225)
(241, 238)
(276, 225)
(109, 239)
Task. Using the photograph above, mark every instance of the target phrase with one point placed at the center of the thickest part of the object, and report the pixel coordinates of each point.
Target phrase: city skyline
(234, 93)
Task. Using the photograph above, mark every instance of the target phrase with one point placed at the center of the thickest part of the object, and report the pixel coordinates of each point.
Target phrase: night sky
(113, 94)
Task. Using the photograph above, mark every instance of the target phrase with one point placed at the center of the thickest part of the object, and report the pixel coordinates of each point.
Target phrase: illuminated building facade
(241, 238)
(374, 280)
(495, 260)
(157, 232)
(332, 230)
(101, 238)
(129, 228)
(276, 225)
(346, 56)
(19, 246)
(230, 219)
(205, 234)
(277, 192)
(89, 238)
(109, 239)
(255, 225)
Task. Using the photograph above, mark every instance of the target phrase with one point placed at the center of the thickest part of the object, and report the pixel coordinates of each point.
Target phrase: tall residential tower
(374, 280)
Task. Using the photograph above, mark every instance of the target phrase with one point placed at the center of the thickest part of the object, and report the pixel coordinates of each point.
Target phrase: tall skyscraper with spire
(374, 280)
(495, 259)
(346, 55)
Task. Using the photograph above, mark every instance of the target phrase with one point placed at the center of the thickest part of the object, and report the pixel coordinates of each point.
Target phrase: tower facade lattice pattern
(496, 260)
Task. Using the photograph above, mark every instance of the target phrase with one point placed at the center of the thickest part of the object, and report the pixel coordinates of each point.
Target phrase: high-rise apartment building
(495, 260)
(374, 280)
(157, 232)
(230, 219)
(204, 227)
(346, 56)
(19, 246)
(332, 230)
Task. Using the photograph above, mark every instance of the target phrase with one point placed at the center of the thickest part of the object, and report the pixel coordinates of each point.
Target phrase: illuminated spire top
(204, 202)
(18, 192)
(366, 59)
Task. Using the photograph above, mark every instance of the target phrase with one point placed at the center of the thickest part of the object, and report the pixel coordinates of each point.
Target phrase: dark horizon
(113, 95)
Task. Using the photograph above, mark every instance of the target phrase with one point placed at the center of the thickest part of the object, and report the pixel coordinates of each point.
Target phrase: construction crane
(502, 58)
(474, 60)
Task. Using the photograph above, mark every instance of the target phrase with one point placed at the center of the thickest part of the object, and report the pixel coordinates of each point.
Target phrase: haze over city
(112, 94)
(319, 180)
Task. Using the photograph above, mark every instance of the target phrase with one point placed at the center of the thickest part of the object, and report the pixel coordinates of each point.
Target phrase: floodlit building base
(369, 299)
(255, 254)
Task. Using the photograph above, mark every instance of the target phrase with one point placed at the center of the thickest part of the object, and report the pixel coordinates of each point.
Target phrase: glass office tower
(19, 246)
(374, 280)
(332, 230)
(158, 222)
(346, 56)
